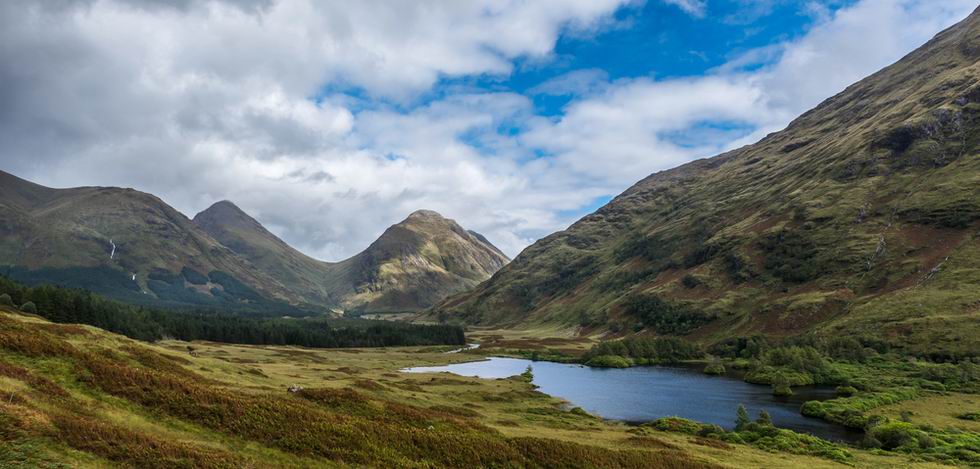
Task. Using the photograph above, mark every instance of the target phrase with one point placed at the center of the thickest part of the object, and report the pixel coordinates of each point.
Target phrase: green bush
(609, 361)
(5, 300)
(846, 391)
(764, 418)
(714, 368)
(29, 307)
(791, 256)
(972, 416)
(893, 435)
(849, 411)
(647, 350)
(682, 425)
(782, 390)
(665, 317)
(690, 281)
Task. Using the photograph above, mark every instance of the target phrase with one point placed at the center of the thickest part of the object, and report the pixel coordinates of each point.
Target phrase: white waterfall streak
(113, 253)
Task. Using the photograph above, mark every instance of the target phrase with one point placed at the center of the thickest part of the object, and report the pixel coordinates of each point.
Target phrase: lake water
(641, 394)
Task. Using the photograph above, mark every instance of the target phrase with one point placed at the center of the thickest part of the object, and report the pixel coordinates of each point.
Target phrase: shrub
(846, 391)
(791, 256)
(663, 316)
(893, 435)
(849, 411)
(609, 361)
(973, 416)
(29, 307)
(714, 368)
(780, 386)
(5, 300)
(764, 418)
(649, 350)
(690, 281)
(782, 390)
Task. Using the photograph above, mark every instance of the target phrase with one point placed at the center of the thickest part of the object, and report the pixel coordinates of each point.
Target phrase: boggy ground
(75, 396)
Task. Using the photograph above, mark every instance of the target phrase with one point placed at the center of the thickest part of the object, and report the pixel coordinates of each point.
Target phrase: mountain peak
(423, 214)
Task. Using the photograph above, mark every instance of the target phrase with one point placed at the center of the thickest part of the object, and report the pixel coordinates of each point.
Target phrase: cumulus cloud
(308, 114)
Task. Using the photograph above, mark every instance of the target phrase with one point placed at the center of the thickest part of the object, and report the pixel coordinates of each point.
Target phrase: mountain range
(860, 218)
(133, 246)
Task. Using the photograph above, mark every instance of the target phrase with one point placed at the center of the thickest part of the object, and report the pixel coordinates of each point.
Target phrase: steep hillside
(308, 279)
(121, 242)
(133, 246)
(412, 266)
(418, 262)
(861, 217)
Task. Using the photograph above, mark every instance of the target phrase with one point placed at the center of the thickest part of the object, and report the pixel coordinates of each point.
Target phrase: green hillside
(860, 218)
(123, 243)
(133, 246)
(413, 265)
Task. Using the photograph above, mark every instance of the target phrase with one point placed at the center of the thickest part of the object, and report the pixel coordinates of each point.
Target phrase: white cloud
(695, 8)
(198, 101)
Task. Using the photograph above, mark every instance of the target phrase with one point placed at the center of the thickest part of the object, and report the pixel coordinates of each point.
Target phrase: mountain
(418, 262)
(133, 246)
(123, 243)
(412, 266)
(305, 277)
(860, 218)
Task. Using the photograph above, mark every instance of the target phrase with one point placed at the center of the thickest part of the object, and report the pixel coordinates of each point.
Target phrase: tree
(5, 300)
(764, 418)
(29, 307)
(528, 374)
(741, 418)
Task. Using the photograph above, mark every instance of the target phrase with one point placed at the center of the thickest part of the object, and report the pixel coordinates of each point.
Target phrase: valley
(125, 422)
(810, 300)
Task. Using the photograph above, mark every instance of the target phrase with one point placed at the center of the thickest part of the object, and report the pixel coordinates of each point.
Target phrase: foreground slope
(77, 396)
(861, 217)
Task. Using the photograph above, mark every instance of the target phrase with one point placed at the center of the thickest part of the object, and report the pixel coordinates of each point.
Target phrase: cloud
(317, 117)
(695, 8)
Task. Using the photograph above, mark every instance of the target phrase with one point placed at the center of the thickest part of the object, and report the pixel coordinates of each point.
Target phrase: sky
(328, 121)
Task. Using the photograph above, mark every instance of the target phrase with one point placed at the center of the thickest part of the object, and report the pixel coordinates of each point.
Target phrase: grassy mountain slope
(418, 262)
(120, 242)
(76, 396)
(133, 246)
(861, 217)
(305, 277)
(413, 265)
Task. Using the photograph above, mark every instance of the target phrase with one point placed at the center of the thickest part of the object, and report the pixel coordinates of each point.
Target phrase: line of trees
(69, 305)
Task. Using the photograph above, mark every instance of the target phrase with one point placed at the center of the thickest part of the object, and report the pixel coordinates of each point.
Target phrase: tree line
(77, 306)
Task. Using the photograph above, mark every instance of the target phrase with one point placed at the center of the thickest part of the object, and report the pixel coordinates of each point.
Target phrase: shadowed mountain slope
(133, 246)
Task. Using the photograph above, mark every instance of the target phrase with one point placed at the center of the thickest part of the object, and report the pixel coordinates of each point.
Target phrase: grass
(163, 402)
(859, 219)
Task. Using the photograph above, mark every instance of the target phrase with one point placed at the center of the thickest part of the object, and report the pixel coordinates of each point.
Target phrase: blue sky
(329, 121)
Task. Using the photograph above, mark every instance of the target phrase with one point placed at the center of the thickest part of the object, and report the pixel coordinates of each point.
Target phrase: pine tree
(741, 418)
